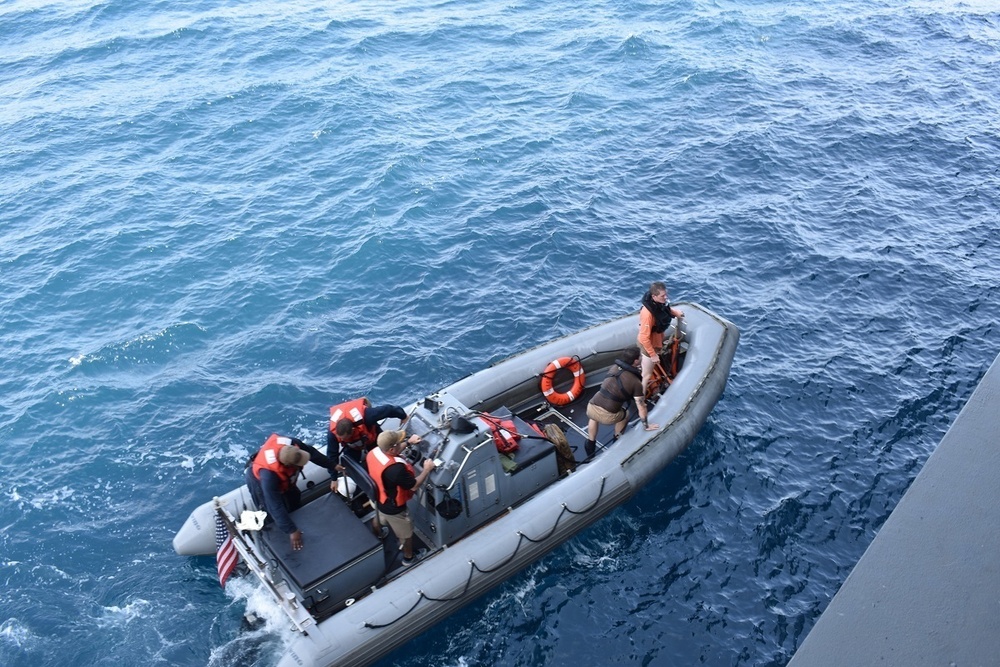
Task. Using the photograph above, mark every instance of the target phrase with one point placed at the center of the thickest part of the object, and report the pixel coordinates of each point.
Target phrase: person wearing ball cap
(271, 477)
(397, 482)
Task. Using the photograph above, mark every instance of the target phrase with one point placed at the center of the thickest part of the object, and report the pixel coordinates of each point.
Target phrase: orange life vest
(378, 461)
(267, 459)
(649, 340)
(505, 435)
(355, 411)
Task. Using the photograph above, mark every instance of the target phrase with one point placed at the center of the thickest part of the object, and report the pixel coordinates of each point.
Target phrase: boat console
(473, 482)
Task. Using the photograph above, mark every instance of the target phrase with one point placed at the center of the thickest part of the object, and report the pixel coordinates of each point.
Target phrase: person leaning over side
(654, 319)
(609, 405)
(397, 482)
(354, 427)
(271, 475)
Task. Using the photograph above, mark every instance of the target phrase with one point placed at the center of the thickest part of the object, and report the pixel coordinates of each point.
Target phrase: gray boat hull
(454, 576)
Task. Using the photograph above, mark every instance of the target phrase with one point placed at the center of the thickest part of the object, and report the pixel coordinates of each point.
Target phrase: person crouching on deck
(609, 404)
(271, 475)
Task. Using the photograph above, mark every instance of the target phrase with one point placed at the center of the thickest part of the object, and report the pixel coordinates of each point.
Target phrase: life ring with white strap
(547, 384)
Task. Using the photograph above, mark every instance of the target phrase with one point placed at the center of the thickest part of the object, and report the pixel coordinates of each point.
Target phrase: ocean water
(218, 219)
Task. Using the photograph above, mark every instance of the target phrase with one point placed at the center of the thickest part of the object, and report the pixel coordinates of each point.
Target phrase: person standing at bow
(654, 319)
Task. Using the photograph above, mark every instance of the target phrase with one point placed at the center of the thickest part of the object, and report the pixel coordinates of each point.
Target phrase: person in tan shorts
(609, 405)
(397, 482)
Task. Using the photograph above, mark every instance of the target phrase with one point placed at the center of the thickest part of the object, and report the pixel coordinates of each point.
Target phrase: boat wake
(266, 631)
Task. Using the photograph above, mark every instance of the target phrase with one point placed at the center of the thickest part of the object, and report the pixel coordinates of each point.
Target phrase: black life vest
(661, 313)
(606, 387)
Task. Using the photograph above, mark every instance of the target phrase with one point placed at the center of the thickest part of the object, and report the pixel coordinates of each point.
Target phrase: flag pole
(282, 594)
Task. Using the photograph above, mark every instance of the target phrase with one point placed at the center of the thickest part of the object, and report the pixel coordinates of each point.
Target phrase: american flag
(226, 557)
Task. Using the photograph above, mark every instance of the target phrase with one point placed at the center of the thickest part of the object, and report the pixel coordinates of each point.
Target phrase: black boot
(590, 447)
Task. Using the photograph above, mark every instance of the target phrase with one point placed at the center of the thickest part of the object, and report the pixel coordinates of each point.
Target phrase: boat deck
(383, 561)
(572, 418)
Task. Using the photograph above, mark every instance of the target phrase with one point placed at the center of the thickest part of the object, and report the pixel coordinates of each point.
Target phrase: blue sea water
(218, 219)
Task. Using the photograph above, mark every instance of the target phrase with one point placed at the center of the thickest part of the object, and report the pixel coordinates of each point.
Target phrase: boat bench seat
(356, 472)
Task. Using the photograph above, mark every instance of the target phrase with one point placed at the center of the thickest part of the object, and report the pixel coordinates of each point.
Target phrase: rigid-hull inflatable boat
(483, 514)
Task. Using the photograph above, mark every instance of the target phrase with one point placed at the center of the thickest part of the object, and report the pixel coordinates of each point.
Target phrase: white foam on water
(52, 568)
(272, 635)
(16, 634)
(114, 615)
(527, 587)
(603, 556)
(259, 602)
(54, 497)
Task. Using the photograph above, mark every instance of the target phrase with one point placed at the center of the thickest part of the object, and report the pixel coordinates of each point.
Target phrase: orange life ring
(573, 365)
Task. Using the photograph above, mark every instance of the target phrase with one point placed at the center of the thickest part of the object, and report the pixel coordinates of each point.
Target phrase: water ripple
(218, 221)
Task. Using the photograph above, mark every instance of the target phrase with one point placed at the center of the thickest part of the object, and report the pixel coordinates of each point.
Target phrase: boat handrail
(461, 466)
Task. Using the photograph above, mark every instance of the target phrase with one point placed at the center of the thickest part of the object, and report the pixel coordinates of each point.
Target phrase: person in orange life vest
(609, 405)
(354, 427)
(397, 482)
(654, 318)
(271, 476)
